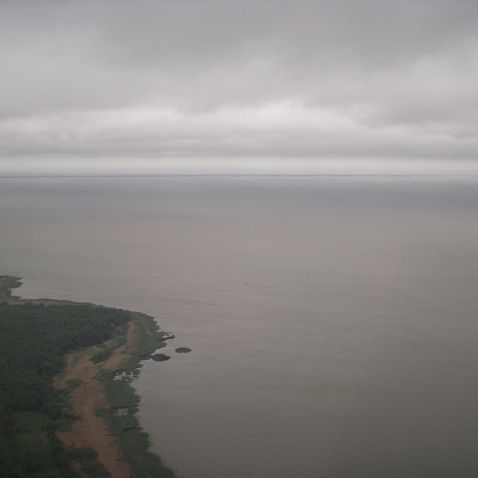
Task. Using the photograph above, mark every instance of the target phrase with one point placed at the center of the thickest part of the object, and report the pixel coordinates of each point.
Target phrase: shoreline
(123, 401)
(97, 381)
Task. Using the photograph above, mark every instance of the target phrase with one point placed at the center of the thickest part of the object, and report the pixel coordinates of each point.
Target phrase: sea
(333, 320)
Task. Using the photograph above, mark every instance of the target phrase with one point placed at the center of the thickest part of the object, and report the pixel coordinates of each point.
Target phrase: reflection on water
(332, 321)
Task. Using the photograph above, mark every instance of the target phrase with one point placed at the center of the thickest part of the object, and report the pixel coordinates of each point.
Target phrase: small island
(67, 407)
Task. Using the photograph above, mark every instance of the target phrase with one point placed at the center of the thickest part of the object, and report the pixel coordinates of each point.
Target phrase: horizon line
(239, 175)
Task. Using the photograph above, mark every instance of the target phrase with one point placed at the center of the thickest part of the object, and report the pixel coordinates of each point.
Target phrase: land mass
(67, 407)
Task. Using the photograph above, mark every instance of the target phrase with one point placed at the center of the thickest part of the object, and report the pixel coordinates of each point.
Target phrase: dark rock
(145, 356)
(183, 350)
(160, 357)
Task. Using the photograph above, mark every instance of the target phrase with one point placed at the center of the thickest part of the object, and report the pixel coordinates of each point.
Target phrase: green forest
(34, 339)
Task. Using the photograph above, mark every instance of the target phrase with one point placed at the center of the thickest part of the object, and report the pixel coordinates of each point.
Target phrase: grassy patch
(88, 461)
(106, 350)
(74, 383)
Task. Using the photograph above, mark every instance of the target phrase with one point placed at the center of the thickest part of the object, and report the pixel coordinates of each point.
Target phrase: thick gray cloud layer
(238, 79)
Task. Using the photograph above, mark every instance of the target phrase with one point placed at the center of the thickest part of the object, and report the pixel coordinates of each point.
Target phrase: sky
(241, 86)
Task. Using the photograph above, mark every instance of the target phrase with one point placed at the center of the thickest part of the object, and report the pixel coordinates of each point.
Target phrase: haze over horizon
(238, 87)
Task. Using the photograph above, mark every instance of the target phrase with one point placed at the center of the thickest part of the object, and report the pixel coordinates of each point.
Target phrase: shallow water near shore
(332, 321)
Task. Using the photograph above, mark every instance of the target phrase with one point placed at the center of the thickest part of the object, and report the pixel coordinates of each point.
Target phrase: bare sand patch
(90, 430)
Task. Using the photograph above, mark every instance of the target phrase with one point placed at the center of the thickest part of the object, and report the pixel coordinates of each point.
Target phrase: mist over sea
(332, 320)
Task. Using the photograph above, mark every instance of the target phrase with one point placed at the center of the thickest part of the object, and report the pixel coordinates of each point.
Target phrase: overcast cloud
(233, 82)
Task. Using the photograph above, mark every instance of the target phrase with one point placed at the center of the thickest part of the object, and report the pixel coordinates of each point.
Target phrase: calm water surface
(333, 321)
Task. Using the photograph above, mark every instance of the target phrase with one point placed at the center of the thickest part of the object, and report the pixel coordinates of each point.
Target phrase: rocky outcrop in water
(160, 357)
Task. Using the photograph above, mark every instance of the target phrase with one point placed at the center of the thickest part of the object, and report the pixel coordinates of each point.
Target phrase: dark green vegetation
(6, 284)
(124, 402)
(107, 349)
(34, 340)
